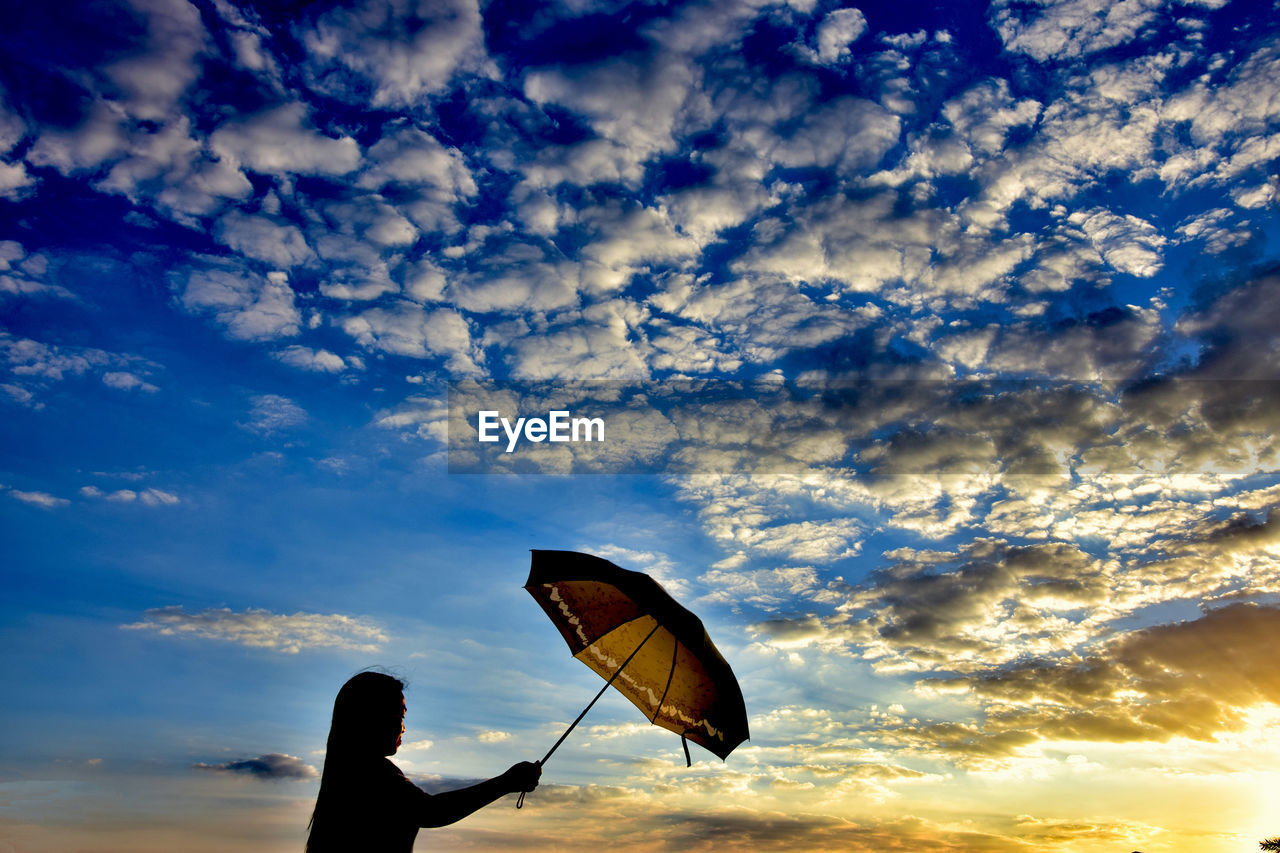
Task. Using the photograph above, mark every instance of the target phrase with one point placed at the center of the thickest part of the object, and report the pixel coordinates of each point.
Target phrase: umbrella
(627, 628)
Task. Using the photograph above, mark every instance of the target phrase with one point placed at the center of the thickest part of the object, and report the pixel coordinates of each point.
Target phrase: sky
(934, 347)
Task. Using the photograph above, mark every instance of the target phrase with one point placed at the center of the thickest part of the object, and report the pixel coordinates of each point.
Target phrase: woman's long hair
(365, 724)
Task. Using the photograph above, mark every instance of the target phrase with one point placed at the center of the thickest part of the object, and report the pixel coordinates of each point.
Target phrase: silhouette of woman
(365, 803)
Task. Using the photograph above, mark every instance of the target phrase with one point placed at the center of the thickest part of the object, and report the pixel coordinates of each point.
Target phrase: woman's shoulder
(391, 770)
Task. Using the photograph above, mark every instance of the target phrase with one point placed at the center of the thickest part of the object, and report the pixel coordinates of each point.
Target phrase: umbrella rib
(675, 651)
(586, 644)
(616, 673)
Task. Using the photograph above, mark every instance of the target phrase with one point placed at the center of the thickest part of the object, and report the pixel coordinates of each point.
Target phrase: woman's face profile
(399, 734)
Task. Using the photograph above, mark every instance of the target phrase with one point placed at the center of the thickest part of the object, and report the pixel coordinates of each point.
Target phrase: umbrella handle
(520, 799)
(574, 724)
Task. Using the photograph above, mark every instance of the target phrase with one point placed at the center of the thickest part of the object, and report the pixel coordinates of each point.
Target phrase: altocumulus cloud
(262, 629)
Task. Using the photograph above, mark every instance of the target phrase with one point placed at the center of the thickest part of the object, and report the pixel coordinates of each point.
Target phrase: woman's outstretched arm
(452, 806)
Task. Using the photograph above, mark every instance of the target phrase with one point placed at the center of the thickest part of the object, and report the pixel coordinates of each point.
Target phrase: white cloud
(429, 417)
(801, 541)
(769, 588)
(1262, 195)
(262, 629)
(154, 79)
(732, 195)
(15, 182)
(592, 161)
(1062, 259)
(930, 155)
(44, 500)
(698, 27)
(371, 220)
(515, 277)
(837, 31)
(1104, 122)
(172, 169)
(1129, 244)
(149, 496)
(272, 413)
(33, 364)
(261, 238)
(157, 497)
(989, 605)
(689, 350)
(404, 328)
(305, 358)
(278, 142)
(10, 251)
(536, 210)
(423, 281)
(250, 306)
(1068, 29)
(167, 153)
(1210, 227)
(26, 270)
(979, 267)
(846, 134)
(12, 127)
(1242, 106)
(125, 381)
(417, 745)
(866, 245)
(984, 115)
(635, 103)
(21, 396)
(357, 281)
(246, 35)
(597, 346)
(251, 55)
(405, 50)
(99, 138)
(409, 156)
(761, 316)
(627, 239)
(146, 84)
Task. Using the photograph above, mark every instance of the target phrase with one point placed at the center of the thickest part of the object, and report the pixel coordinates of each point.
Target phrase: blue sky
(935, 343)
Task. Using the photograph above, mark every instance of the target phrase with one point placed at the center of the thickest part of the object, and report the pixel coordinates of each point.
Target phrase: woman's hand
(522, 777)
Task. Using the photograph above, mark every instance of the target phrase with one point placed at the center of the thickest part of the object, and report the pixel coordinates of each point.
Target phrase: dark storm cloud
(1193, 680)
(744, 830)
(273, 765)
(988, 604)
(1239, 331)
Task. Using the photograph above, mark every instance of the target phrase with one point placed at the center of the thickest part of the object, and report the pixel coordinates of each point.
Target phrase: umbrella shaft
(616, 673)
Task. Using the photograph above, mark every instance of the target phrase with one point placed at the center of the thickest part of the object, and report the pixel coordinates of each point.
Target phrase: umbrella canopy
(627, 628)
